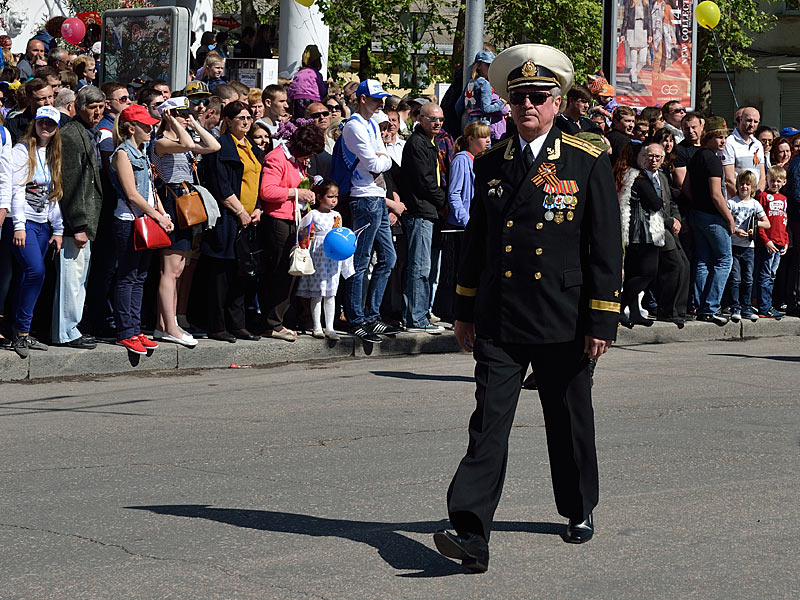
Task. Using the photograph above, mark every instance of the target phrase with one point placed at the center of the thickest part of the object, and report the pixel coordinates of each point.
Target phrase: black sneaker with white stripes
(364, 332)
(384, 328)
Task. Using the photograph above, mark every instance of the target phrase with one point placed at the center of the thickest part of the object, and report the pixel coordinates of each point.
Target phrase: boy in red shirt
(774, 241)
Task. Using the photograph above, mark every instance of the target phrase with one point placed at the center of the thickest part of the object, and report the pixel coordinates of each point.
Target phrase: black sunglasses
(322, 113)
(334, 107)
(199, 101)
(536, 98)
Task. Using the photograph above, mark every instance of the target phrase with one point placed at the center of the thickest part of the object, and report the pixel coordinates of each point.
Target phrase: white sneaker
(736, 317)
(318, 333)
(332, 335)
(185, 339)
(429, 328)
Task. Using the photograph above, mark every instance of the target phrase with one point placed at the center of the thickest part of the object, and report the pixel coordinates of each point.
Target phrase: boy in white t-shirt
(744, 207)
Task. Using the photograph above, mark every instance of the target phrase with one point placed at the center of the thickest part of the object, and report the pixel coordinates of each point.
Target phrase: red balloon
(73, 30)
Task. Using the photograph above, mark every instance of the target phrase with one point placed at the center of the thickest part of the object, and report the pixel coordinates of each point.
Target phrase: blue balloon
(340, 243)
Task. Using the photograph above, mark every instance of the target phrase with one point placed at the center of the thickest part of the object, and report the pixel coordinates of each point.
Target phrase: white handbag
(300, 262)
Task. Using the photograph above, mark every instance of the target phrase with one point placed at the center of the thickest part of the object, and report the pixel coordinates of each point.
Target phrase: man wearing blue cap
(363, 147)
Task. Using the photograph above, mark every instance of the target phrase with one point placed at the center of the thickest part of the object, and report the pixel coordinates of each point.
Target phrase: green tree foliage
(575, 27)
(572, 26)
(355, 26)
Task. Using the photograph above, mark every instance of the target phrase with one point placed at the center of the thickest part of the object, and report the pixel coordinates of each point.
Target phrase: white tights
(316, 311)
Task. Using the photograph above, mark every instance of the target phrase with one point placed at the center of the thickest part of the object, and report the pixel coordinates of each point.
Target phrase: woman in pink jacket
(282, 189)
(307, 85)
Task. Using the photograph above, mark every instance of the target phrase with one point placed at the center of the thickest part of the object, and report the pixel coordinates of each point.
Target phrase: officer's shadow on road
(398, 550)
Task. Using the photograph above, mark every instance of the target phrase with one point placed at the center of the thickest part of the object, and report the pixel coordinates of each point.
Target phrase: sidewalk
(109, 359)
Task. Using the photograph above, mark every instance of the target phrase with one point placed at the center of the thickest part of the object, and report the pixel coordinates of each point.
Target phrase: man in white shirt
(744, 152)
(362, 143)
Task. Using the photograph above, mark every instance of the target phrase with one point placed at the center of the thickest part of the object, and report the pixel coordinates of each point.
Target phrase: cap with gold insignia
(530, 65)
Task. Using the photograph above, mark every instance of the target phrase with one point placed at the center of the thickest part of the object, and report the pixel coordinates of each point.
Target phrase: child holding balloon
(322, 285)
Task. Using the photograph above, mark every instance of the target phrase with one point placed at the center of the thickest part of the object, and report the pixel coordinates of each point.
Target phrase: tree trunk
(249, 15)
(364, 62)
(703, 100)
(457, 59)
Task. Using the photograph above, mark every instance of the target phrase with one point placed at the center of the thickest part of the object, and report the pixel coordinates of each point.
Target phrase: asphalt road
(326, 481)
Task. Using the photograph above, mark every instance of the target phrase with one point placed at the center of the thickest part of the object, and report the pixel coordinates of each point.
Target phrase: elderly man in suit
(538, 285)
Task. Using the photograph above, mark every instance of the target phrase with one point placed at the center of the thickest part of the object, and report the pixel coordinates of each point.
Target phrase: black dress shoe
(530, 382)
(580, 532)
(243, 334)
(222, 336)
(82, 343)
(471, 549)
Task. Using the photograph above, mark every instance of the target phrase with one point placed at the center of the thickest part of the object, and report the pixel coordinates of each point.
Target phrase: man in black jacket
(424, 199)
(538, 285)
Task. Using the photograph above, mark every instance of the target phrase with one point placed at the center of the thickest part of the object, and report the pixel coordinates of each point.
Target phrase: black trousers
(673, 282)
(564, 381)
(641, 268)
(226, 295)
(277, 286)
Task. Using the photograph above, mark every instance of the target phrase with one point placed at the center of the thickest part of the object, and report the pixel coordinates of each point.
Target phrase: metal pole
(724, 68)
(473, 34)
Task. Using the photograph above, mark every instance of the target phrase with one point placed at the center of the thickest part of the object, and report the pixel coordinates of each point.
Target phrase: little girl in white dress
(322, 285)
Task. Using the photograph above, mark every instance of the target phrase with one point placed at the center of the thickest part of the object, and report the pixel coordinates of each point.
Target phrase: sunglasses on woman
(334, 107)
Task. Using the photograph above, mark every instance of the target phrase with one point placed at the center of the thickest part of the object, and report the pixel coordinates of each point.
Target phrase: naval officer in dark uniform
(538, 285)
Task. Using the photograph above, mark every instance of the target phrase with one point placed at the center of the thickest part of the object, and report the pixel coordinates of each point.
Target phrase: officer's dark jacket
(526, 279)
(420, 190)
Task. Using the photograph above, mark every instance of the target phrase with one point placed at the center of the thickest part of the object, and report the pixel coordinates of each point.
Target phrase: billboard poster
(151, 42)
(653, 51)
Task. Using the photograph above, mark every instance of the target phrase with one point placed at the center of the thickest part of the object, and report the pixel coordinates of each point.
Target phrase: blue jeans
(372, 210)
(417, 284)
(131, 272)
(767, 268)
(712, 240)
(72, 271)
(742, 280)
(31, 272)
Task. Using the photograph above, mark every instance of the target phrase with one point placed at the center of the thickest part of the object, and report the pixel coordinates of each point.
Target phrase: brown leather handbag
(189, 207)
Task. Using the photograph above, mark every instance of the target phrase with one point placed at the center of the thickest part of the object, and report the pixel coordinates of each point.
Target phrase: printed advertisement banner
(654, 51)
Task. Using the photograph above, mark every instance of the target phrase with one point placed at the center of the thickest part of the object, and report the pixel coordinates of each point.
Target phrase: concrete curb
(109, 359)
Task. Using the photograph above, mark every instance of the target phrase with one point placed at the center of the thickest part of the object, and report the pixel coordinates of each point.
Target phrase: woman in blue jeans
(35, 214)
(132, 177)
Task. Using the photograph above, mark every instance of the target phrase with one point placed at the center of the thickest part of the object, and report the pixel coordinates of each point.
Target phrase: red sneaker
(133, 345)
(146, 342)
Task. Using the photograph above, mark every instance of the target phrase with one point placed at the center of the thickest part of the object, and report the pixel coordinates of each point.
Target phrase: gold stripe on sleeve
(464, 291)
(604, 305)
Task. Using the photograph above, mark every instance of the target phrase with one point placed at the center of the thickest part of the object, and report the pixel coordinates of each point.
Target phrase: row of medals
(560, 202)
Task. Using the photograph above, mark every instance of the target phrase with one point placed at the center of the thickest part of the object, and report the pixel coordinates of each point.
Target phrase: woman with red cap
(132, 177)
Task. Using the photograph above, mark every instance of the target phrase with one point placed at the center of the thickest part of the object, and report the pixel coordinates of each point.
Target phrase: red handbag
(621, 56)
(149, 235)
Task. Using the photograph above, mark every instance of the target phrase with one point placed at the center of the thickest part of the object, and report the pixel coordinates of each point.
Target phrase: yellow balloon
(308, 3)
(707, 14)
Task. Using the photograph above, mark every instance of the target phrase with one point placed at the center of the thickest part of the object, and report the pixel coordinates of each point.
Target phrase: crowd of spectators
(707, 212)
